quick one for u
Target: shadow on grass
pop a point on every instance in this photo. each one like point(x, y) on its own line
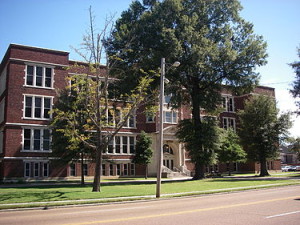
point(35, 196)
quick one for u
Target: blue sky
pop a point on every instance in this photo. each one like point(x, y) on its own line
point(59, 24)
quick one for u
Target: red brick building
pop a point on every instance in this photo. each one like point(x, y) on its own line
point(28, 79)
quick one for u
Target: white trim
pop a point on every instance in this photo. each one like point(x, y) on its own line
point(42, 108)
point(28, 158)
point(38, 62)
point(25, 124)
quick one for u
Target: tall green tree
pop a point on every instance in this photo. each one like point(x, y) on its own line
point(230, 149)
point(214, 45)
point(295, 146)
point(143, 151)
point(262, 130)
point(209, 140)
point(296, 84)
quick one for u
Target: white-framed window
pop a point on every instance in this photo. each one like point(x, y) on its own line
point(228, 103)
point(115, 116)
point(36, 169)
point(122, 145)
point(45, 169)
point(3, 81)
point(229, 122)
point(37, 140)
point(125, 169)
point(111, 169)
point(2, 107)
point(132, 169)
point(103, 170)
point(150, 117)
point(118, 169)
point(1, 141)
point(27, 169)
point(170, 116)
point(39, 76)
point(37, 107)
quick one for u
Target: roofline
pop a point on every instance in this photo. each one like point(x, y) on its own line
point(38, 48)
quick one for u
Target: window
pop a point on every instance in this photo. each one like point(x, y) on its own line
point(115, 116)
point(125, 171)
point(132, 169)
point(37, 107)
point(1, 141)
point(36, 169)
point(36, 139)
point(121, 145)
point(170, 116)
point(39, 76)
point(85, 169)
point(2, 107)
point(27, 171)
point(229, 123)
point(150, 117)
point(103, 170)
point(72, 170)
point(111, 169)
point(228, 104)
point(46, 169)
point(118, 169)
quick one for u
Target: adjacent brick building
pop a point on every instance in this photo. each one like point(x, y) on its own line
point(29, 77)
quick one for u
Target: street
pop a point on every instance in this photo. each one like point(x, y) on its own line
point(265, 206)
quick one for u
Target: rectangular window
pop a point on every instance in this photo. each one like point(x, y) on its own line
point(2, 112)
point(36, 139)
point(229, 123)
point(85, 169)
point(125, 144)
point(103, 170)
point(27, 169)
point(132, 144)
point(37, 107)
point(118, 169)
point(72, 170)
point(36, 169)
point(111, 169)
point(45, 169)
point(39, 76)
point(150, 118)
point(118, 144)
point(125, 169)
point(228, 104)
point(170, 116)
point(132, 169)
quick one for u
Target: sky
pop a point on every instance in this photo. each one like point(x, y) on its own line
point(60, 24)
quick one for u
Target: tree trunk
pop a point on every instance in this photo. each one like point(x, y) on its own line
point(199, 166)
point(229, 169)
point(199, 171)
point(146, 172)
point(82, 174)
point(263, 168)
point(97, 176)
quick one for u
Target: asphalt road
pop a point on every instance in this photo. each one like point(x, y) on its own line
point(268, 206)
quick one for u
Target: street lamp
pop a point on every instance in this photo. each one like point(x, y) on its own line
point(161, 106)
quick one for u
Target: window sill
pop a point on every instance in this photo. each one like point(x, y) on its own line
point(38, 87)
point(36, 151)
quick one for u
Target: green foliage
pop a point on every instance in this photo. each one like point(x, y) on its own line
point(143, 151)
point(214, 45)
point(261, 129)
point(200, 144)
point(296, 84)
point(295, 143)
point(230, 148)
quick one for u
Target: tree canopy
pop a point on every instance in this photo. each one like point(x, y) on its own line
point(262, 129)
point(143, 151)
point(296, 84)
point(230, 149)
point(214, 45)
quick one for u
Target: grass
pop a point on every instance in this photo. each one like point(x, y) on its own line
point(64, 192)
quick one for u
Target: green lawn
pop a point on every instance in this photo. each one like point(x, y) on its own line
point(76, 192)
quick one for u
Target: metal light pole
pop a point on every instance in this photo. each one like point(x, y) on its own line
point(161, 123)
point(161, 106)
